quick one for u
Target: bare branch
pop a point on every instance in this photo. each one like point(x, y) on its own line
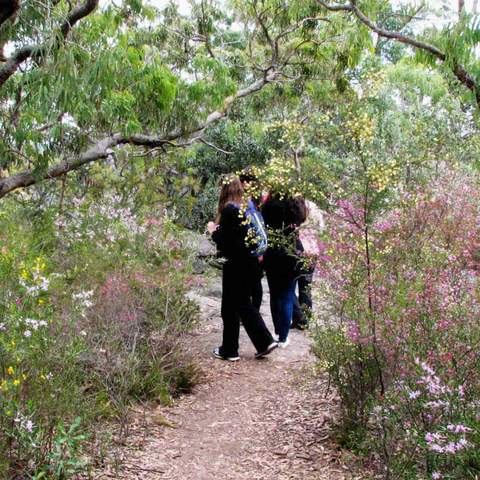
point(212, 145)
point(406, 20)
point(38, 51)
point(335, 7)
point(182, 145)
point(397, 35)
point(273, 46)
point(208, 45)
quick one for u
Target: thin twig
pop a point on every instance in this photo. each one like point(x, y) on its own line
point(211, 145)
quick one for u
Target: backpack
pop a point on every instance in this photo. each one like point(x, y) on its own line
point(257, 233)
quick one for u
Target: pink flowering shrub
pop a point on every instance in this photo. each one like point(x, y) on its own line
point(134, 332)
point(404, 284)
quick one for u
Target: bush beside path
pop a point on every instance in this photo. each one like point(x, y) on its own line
point(268, 419)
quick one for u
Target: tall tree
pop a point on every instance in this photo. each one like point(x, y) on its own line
point(134, 75)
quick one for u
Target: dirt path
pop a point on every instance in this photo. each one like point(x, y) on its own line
point(252, 419)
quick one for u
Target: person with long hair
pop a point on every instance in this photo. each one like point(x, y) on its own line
point(283, 266)
point(241, 271)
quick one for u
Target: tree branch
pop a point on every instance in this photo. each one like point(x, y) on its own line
point(266, 33)
point(458, 70)
point(212, 145)
point(38, 51)
point(335, 7)
point(103, 148)
point(298, 25)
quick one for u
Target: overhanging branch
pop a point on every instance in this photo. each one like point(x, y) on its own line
point(103, 148)
point(38, 51)
point(458, 70)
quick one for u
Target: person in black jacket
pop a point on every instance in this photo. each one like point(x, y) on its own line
point(241, 271)
point(281, 261)
point(248, 178)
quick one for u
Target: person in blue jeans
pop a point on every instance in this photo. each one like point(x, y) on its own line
point(241, 272)
point(282, 264)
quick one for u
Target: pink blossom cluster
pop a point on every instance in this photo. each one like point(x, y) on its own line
point(405, 284)
point(419, 278)
point(439, 443)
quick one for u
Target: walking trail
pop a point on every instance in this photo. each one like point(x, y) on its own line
point(254, 419)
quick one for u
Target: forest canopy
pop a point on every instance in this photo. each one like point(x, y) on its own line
point(82, 80)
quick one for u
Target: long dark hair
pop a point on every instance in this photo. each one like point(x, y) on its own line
point(231, 192)
point(284, 213)
point(301, 211)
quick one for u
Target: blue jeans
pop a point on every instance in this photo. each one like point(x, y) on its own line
point(282, 299)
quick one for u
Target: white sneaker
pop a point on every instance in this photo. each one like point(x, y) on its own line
point(284, 344)
point(217, 354)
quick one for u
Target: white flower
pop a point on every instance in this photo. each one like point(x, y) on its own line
point(23, 422)
point(83, 295)
point(27, 333)
point(413, 395)
point(33, 323)
point(45, 283)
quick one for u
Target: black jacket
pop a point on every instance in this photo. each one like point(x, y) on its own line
point(230, 236)
point(282, 217)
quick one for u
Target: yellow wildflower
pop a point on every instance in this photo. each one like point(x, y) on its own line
point(10, 371)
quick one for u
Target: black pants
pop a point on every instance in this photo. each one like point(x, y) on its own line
point(257, 293)
point(238, 284)
point(303, 303)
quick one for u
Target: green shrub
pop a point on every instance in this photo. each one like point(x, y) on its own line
point(92, 314)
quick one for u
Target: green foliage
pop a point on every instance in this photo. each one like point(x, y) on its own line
point(91, 316)
point(244, 146)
